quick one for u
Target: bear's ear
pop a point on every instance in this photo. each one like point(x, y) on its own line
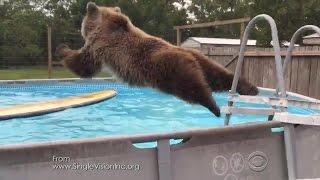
point(117, 9)
point(92, 8)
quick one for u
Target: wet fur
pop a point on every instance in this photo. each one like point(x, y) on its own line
point(143, 60)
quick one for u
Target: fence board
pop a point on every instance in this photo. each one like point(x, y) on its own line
point(259, 70)
point(294, 74)
point(317, 81)
point(245, 69)
point(303, 76)
point(313, 78)
point(287, 75)
point(273, 76)
point(269, 77)
point(265, 72)
point(249, 69)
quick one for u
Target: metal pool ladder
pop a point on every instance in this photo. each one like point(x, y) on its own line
point(280, 102)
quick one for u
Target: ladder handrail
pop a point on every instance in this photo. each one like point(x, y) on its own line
point(276, 46)
point(294, 39)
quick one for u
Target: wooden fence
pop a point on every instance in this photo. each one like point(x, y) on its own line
point(302, 75)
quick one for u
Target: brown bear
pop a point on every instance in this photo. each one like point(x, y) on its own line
point(139, 59)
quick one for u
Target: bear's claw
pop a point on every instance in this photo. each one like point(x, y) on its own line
point(214, 109)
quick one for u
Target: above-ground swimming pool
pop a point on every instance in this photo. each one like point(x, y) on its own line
point(138, 115)
point(132, 111)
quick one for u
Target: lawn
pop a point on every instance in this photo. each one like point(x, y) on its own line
point(38, 73)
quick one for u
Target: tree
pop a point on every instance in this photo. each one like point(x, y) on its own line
point(212, 10)
point(288, 14)
point(21, 30)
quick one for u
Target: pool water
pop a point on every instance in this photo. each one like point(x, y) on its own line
point(132, 111)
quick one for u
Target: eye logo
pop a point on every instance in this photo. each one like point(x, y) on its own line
point(258, 161)
point(237, 162)
point(220, 165)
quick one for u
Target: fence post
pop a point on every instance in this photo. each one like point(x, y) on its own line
point(49, 53)
point(178, 37)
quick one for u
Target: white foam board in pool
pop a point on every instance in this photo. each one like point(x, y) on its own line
point(40, 108)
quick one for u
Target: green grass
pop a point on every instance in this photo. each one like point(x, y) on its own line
point(38, 73)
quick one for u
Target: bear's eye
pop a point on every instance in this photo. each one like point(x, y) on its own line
point(117, 9)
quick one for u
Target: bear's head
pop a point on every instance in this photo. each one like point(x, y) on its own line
point(107, 18)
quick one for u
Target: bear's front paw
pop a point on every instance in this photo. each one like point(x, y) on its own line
point(60, 50)
point(253, 91)
point(248, 89)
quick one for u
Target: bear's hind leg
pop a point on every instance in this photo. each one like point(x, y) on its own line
point(220, 79)
point(194, 90)
point(184, 78)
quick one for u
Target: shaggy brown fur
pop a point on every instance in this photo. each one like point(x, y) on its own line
point(143, 60)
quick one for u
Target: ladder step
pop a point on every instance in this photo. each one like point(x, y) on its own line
point(305, 104)
point(297, 119)
point(258, 100)
point(235, 110)
point(274, 101)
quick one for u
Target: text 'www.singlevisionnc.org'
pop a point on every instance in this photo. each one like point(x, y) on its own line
point(65, 163)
